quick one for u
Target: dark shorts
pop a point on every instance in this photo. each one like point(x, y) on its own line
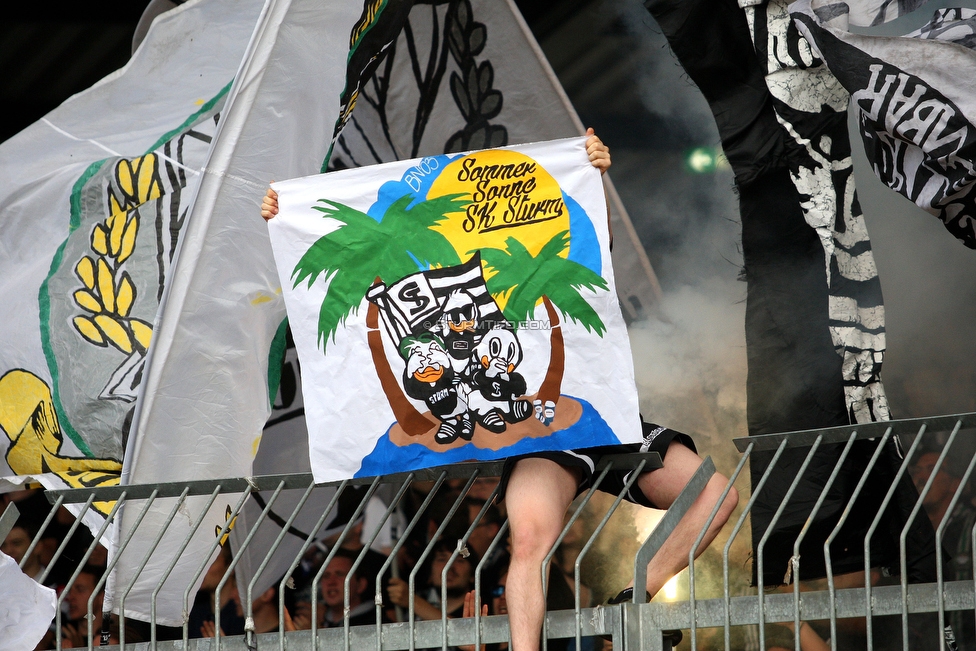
point(656, 439)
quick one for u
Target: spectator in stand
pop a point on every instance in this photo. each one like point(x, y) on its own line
point(354, 542)
point(231, 611)
point(957, 547)
point(34, 507)
point(331, 605)
point(74, 632)
point(264, 614)
point(16, 544)
point(427, 599)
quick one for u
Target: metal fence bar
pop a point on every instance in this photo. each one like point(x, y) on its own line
point(224, 530)
point(7, 522)
point(633, 625)
point(176, 488)
point(332, 552)
point(583, 551)
point(760, 573)
point(836, 530)
point(271, 550)
point(248, 612)
point(411, 584)
point(40, 531)
point(617, 627)
point(738, 526)
point(972, 543)
point(686, 498)
point(555, 545)
point(301, 552)
point(296, 480)
point(172, 565)
point(111, 566)
point(698, 542)
point(651, 638)
point(74, 576)
point(359, 559)
point(81, 565)
point(64, 543)
point(502, 532)
point(142, 566)
point(794, 568)
point(586, 549)
point(461, 549)
point(660, 615)
point(938, 543)
point(839, 434)
point(903, 537)
point(744, 611)
point(391, 560)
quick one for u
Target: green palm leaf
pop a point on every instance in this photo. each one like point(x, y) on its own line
point(417, 224)
point(329, 251)
point(351, 257)
point(507, 265)
point(529, 278)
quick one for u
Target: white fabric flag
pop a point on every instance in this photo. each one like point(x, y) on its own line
point(26, 608)
point(454, 307)
point(91, 208)
point(77, 358)
point(207, 380)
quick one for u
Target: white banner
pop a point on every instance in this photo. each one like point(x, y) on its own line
point(454, 307)
point(26, 608)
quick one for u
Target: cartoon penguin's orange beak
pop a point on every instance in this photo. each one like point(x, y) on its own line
point(429, 374)
point(461, 327)
point(484, 361)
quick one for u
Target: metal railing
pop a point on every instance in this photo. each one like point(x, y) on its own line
point(630, 626)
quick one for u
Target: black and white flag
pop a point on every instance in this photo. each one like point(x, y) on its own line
point(814, 311)
point(811, 106)
point(915, 104)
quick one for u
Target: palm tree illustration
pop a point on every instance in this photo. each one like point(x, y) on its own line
point(556, 281)
point(354, 255)
point(363, 251)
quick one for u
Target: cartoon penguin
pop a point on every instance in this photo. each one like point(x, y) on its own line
point(428, 376)
point(497, 392)
point(459, 328)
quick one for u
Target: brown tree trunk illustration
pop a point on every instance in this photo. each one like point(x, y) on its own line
point(552, 383)
point(411, 421)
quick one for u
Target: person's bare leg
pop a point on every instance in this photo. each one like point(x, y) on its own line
point(539, 492)
point(662, 487)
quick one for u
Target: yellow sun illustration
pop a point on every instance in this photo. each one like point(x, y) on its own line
point(511, 196)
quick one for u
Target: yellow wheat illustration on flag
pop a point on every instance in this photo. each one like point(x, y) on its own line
point(108, 292)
